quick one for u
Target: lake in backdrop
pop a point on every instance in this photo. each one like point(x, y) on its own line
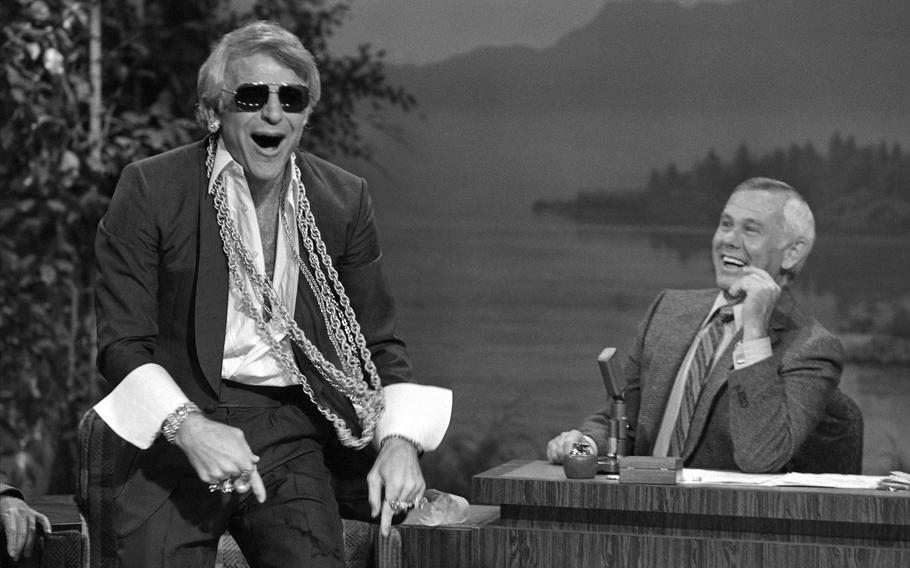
point(510, 310)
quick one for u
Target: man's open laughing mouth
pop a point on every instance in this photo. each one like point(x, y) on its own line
point(267, 141)
point(732, 262)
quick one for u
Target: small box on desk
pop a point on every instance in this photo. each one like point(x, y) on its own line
point(647, 469)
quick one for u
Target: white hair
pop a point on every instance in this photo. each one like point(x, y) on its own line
point(799, 223)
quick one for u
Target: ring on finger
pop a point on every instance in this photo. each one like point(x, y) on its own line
point(241, 485)
point(223, 486)
point(399, 506)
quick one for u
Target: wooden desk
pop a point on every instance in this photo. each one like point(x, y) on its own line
point(450, 546)
point(549, 521)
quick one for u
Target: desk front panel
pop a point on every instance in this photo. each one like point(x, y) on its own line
point(548, 520)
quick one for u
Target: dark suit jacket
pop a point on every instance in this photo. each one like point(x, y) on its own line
point(163, 290)
point(754, 419)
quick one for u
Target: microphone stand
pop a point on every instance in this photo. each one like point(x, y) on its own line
point(618, 435)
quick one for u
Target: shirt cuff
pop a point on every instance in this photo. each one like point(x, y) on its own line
point(750, 352)
point(137, 407)
point(420, 413)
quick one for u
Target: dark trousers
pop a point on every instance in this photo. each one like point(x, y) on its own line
point(297, 525)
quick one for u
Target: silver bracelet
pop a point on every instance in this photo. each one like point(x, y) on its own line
point(406, 439)
point(175, 419)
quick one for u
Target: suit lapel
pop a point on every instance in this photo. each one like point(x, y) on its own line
point(211, 295)
point(677, 336)
point(675, 326)
point(716, 379)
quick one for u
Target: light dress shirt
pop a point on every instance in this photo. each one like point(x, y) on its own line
point(745, 353)
point(138, 406)
point(247, 357)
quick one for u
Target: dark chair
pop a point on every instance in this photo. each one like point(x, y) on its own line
point(836, 446)
point(95, 497)
point(59, 549)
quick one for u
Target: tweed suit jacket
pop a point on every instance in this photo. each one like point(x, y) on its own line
point(754, 419)
point(162, 295)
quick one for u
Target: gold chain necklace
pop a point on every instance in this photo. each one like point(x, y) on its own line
point(271, 315)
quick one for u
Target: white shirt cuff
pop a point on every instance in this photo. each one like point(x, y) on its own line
point(747, 353)
point(420, 413)
point(136, 408)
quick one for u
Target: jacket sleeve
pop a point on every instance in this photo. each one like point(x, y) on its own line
point(126, 249)
point(775, 404)
point(10, 491)
point(369, 290)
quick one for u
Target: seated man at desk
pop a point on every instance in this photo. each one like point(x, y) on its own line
point(734, 377)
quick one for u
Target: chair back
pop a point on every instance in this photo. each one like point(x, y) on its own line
point(836, 445)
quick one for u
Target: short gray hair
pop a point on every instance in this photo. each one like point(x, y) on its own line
point(257, 37)
point(799, 223)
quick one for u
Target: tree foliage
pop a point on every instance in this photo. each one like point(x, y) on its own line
point(57, 178)
point(856, 188)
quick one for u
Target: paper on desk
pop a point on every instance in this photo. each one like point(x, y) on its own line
point(836, 480)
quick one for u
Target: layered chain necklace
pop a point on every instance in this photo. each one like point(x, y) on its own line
point(272, 317)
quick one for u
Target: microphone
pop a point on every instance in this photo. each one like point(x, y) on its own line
point(613, 380)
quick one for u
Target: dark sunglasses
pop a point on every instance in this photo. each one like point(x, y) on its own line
point(250, 97)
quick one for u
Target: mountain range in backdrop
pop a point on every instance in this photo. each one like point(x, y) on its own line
point(642, 85)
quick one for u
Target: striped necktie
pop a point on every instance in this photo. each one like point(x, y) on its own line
point(698, 372)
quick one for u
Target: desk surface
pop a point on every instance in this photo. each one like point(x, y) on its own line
point(540, 484)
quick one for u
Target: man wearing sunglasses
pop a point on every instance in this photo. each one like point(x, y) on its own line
point(248, 328)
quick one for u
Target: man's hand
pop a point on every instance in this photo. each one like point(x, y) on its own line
point(395, 475)
point(560, 446)
point(20, 524)
point(218, 452)
point(760, 293)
